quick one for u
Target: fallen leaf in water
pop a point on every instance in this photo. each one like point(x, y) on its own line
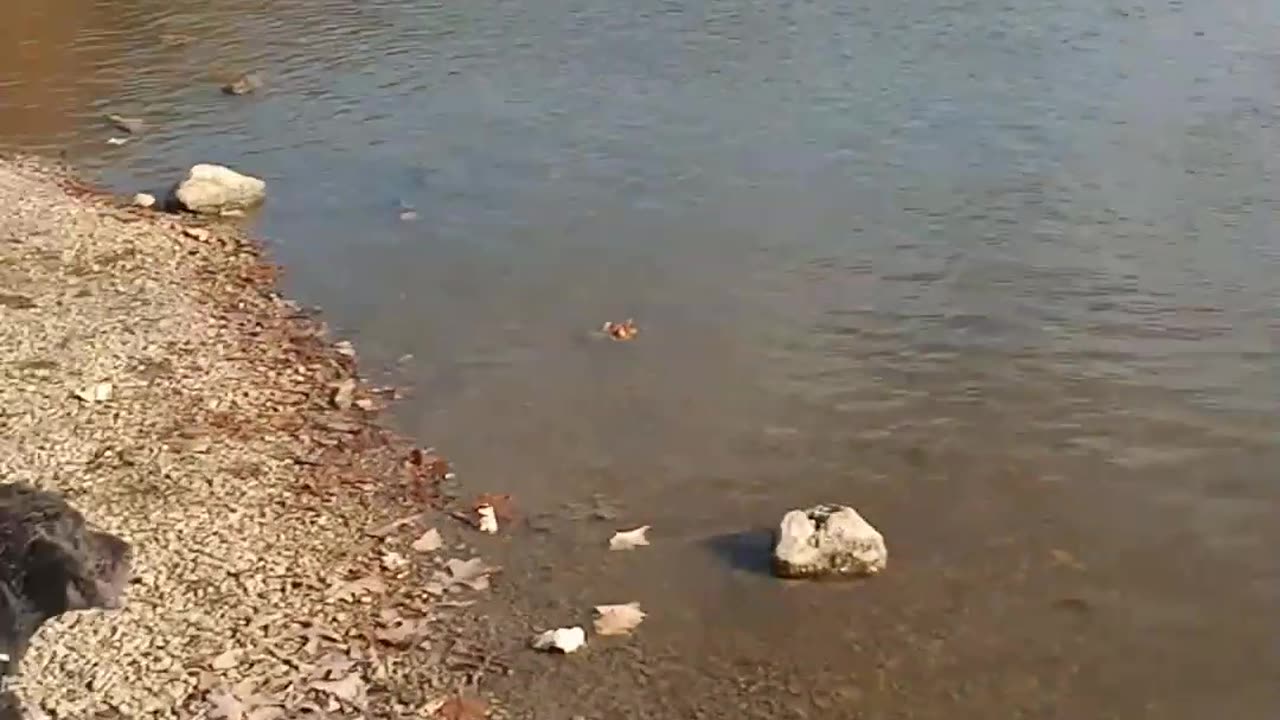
point(564, 640)
point(429, 541)
point(429, 463)
point(463, 707)
point(361, 586)
point(225, 706)
point(618, 619)
point(1062, 557)
point(226, 660)
point(243, 85)
point(365, 404)
point(344, 347)
point(117, 141)
point(621, 331)
point(126, 124)
point(350, 688)
point(628, 539)
point(98, 392)
point(343, 393)
point(503, 505)
point(473, 573)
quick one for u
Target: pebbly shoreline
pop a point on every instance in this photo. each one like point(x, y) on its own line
point(153, 375)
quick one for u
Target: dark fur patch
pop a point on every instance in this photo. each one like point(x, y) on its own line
point(51, 562)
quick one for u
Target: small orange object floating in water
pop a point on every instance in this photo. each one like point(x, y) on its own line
point(621, 331)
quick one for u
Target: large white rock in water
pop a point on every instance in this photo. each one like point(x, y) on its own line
point(827, 541)
point(214, 189)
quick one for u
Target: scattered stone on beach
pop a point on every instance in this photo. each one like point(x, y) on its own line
point(629, 539)
point(197, 233)
point(144, 200)
point(214, 189)
point(618, 619)
point(130, 125)
point(245, 84)
point(827, 541)
point(562, 640)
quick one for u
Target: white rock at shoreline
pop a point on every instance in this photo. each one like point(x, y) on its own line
point(144, 200)
point(214, 189)
point(827, 541)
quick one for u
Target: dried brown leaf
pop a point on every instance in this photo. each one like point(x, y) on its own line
point(344, 393)
point(360, 586)
point(629, 539)
point(225, 706)
point(626, 330)
point(618, 619)
point(402, 633)
point(429, 541)
point(503, 506)
point(463, 707)
point(473, 573)
point(350, 689)
point(226, 660)
point(385, 530)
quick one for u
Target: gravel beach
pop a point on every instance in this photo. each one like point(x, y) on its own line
point(151, 373)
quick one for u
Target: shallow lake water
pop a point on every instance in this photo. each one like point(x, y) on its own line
point(1004, 274)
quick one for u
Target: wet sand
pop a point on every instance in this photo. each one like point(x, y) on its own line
point(253, 498)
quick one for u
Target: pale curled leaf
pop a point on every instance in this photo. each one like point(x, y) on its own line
point(628, 539)
point(473, 573)
point(429, 541)
point(225, 706)
point(618, 619)
point(226, 660)
point(343, 393)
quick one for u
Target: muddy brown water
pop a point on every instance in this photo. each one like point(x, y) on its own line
point(1004, 275)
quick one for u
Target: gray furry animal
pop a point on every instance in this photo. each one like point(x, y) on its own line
point(51, 563)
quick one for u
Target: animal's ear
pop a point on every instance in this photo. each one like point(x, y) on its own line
point(53, 578)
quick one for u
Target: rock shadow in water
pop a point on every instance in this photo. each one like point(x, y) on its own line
point(748, 550)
